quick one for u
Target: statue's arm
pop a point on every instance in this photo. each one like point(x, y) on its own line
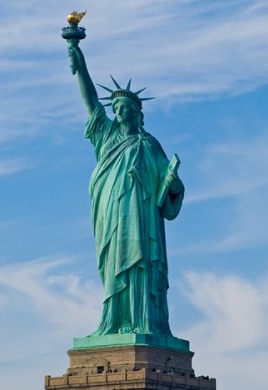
point(173, 200)
point(79, 67)
point(173, 182)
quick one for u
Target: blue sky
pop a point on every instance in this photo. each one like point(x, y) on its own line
point(206, 64)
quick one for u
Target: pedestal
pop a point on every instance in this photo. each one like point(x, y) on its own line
point(130, 361)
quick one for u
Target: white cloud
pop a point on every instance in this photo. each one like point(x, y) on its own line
point(226, 303)
point(11, 166)
point(52, 293)
point(186, 50)
point(6, 224)
point(49, 304)
point(233, 332)
point(234, 168)
point(196, 48)
point(230, 187)
point(44, 304)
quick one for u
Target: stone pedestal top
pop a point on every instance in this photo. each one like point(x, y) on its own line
point(127, 367)
point(113, 340)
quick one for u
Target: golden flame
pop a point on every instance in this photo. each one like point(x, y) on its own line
point(75, 17)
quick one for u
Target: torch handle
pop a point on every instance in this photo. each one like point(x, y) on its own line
point(72, 43)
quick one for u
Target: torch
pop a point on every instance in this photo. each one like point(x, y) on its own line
point(73, 34)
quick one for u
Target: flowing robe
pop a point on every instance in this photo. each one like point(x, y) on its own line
point(129, 227)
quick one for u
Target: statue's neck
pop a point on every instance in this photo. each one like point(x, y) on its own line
point(128, 129)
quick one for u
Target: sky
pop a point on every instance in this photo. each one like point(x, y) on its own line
point(206, 63)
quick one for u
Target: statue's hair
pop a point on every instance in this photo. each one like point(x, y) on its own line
point(137, 111)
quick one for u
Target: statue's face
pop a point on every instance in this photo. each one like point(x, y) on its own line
point(124, 111)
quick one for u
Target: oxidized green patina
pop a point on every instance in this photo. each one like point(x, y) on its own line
point(128, 220)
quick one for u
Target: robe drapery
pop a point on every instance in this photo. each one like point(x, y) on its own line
point(129, 227)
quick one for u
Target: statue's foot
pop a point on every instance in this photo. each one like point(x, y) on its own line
point(126, 329)
point(141, 331)
point(101, 332)
point(93, 334)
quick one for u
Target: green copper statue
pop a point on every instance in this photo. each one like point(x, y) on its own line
point(133, 188)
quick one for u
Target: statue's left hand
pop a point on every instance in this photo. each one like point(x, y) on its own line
point(172, 181)
point(72, 51)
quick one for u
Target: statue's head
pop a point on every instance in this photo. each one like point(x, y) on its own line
point(124, 100)
point(128, 112)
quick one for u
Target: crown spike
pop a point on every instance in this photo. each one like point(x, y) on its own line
point(115, 82)
point(121, 92)
point(107, 89)
point(143, 99)
point(128, 85)
point(140, 91)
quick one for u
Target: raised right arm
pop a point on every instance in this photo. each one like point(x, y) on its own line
point(78, 65)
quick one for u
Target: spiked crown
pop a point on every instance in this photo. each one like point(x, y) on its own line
point(124, 92)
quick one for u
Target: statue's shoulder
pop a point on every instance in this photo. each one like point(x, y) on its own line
point(154, 145)
point(98, 122)
point(150, 138)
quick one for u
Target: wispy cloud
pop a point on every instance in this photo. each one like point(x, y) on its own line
point(225, 301)
point(5, 224)
point(233, 328)
point(52, 293)
point(44, 304)
point(188, 50)
point(197, 50)
point(233, 176)
point(11, 166)
point(196, 47)
point(232, 169)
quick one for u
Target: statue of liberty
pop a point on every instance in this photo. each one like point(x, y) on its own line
point(127, 212)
